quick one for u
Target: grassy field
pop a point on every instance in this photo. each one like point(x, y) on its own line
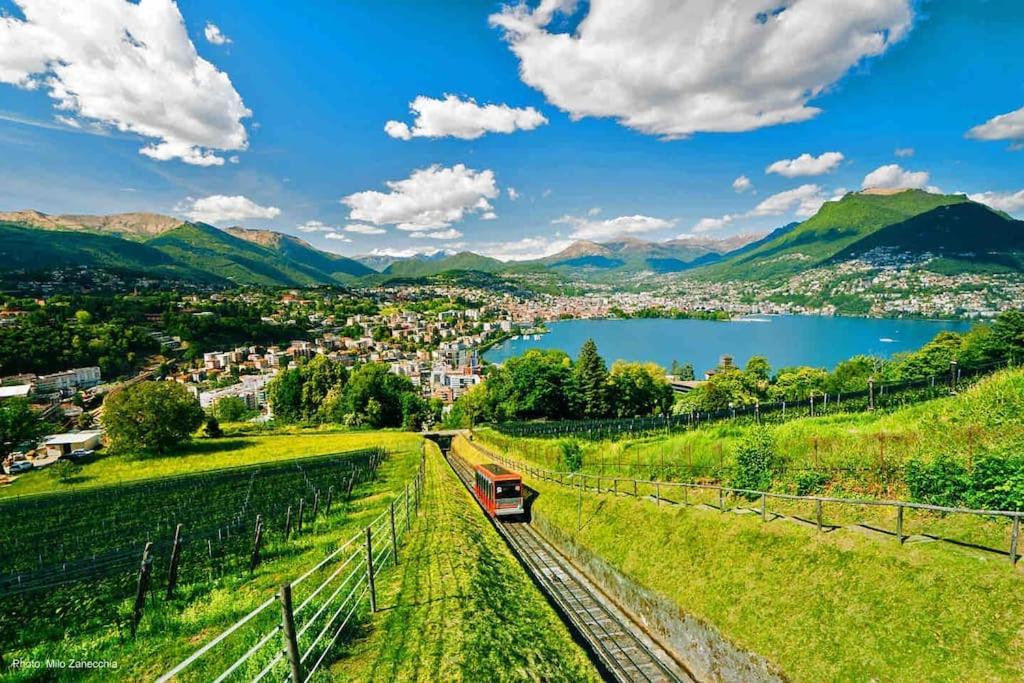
point(234, 450)
point(459, 607)
point(860, 452)
point(172, 629)
point(835, 606)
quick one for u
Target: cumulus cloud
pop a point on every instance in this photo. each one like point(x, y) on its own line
point(449, 234)
point(408, 253)
point(337, 236)
point(676, 68)
point(742, 184)
point(904, 152)
point(362, 229)
point(893, 176)
point(430, 198)
point(803, 201)
point(218, 208)
point(590, 229)
point(463, 119)
point(806, 164)
point(1010, 202)
point(214, 35)
point(1008, 126)
point(315, 226)
point(513, 193)
point(129, 65)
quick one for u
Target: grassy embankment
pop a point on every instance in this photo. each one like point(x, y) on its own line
point(235, 449)
point(171, 630)
point(835, 606)
point(459, 607)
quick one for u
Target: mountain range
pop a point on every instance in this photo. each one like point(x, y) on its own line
point(950, 232)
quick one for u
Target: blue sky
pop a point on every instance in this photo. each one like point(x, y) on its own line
point(616, 127)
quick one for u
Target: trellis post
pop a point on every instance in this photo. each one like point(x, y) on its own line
point(172, 571)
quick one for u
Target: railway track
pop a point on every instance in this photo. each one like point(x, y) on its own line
point(624, 650)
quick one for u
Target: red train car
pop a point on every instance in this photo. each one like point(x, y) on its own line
point(499, 490)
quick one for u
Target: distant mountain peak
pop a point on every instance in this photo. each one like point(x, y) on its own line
point(135, 225)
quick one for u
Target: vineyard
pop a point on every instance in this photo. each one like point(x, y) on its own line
point(71, 562)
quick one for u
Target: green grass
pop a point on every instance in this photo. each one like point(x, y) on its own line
point(171, 630)
point(233, 450)
point(835, 606)
point(459, 607)
point(859, 450)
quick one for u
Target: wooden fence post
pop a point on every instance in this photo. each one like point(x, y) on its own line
point(288, 523)
point(316, 506)
point(172, 571)
point(254, 561)
point(764, 507)
point(657, 493)
point(298, 524)
point(369, 569)
point(818, 506)
point(634, 488)
point(291, 642)
point(899, 523)
point(407, 521)
point(721, 499)
point(394, 536)
point(145, 572)
point(1014, 535)
point(330, 497)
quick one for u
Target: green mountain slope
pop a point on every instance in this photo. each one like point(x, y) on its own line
point(969, 233)
point(304, 254)
point(464, 260)
point(836, 226)
point(207, 248)
point(30, 249)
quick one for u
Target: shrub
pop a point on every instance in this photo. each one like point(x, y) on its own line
point(213, 429)
point(943, 481)
point(756, 461)
point(64, 470)
point(809, 482)
point(997, 483)
point(155, 417)
point(570, 455)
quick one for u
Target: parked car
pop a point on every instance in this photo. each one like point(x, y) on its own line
point(17, 464)
point(78, 454)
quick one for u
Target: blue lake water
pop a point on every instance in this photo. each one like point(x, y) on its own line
point(786, 340)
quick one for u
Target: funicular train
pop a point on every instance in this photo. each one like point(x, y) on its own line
point(499, 490)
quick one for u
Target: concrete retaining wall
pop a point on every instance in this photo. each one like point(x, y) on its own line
point(706, 653)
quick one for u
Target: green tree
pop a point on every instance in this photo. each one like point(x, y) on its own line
point(756, 461)
point(232, 409)
point(374, 393)
point(154, 417)
point(19, 422)
point(590, 381)
point(319, 377)
point(639, 389)
point(284, 393)
point(212, 428)
point(537, 384)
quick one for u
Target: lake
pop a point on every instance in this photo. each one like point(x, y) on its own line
point(819, 341)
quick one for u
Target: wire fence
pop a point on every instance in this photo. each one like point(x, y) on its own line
point(290, 635)
point(877, 395)
point(720, 497)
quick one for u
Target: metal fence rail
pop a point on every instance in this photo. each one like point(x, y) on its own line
point(297, 643)
point(633, 487)
point(876, 395)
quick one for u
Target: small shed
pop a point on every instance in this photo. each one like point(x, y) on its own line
point(59, 444)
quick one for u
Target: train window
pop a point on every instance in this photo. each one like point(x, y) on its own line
point(510, 490)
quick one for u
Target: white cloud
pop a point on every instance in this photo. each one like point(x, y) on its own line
point(433, 197)
point(805, 165)
point(408, 253)
point(1009, 126)
point(513, 193)
point(214, 35)
point(337, 236)
point(594, 210)
point(463, 119)
point(675, 68)
point(361, 229)
point(893, 176)
point(589, 229)
point(742, 184)
point(315, 226)
point(1010, 202)
point(449, 234)
point(129, 65)
point(218, 208)
point(525, 249)
point(904, 152)
point(803, 201)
